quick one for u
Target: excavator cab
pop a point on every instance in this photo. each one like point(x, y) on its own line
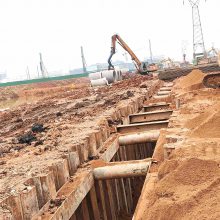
point(144, 66)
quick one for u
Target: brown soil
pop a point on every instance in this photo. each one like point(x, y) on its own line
point(182, 192)
point(69, 116)
point(14, 96)
point(187, 185)
point(191, 81)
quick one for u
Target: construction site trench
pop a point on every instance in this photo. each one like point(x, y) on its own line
point(115, 183)
point(107, 154)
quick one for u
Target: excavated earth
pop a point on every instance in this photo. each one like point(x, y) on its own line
point(185, 184)
point(35, 134)
point(39, 125)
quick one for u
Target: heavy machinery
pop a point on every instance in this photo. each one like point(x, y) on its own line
point(212, 80)
point(142, 67)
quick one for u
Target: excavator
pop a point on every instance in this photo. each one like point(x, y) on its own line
point(213, 80)
point(142, 67)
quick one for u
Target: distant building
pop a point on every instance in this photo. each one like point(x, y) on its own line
point(102, 66)
point(76, 71)
point(3, 76)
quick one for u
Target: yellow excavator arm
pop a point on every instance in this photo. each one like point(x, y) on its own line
point(117, 38)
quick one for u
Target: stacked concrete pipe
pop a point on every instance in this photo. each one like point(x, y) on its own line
point(110, 75)
point(124, 70)
point(99, 82)
point(118, 75)
point(94, 76)
point(100, 78)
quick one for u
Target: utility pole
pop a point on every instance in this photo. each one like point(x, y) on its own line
point(198, 40)
point(38, 74)
point(44, 72)
point(151, 56)
point(184, 46)
point(28, 73)
point(83, 60)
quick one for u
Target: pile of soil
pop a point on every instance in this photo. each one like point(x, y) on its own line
point(206, 124)
point(187, 192)
point(191, 81)
point(210, 128)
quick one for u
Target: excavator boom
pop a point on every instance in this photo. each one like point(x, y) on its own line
point(117, 38)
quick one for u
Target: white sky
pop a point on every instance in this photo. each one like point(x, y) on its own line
point(57, 29)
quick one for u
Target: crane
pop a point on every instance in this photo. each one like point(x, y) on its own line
point(142, 67)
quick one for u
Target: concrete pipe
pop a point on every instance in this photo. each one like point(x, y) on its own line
point(94, 76)
point(110, 75)
point(118, 75)
point(124, 70)
point(122, 170)
point(138, 138)
point(99, 82)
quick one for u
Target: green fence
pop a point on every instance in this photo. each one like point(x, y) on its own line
point(40, 80)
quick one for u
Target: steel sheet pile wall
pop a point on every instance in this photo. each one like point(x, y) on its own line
point(116, 198)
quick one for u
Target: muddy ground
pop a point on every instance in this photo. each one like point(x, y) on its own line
point(35, 134)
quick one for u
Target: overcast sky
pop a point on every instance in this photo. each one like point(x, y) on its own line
point(57, 29)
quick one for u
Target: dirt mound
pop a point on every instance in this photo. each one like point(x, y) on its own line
point(206, 124)
point(210, 128)
point(187, 193)
point(167, 167)
point(191, 81)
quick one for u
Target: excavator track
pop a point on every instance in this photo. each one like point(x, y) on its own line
point(212, 80)
point(173, 74)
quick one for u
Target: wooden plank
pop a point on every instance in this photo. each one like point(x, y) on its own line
point(73, 194)
point(111, 198)
point(73, 217)
point(107, 202)
point(110, 148)
point(85, 215)
point(101, 199)
point(94, 203)
point(128, 185)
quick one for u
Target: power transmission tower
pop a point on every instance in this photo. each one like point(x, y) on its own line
point(83, 60)
point(43, 69)
point(198, 40)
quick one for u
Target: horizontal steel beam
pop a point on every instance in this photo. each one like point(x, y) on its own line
point(124, 169)
point(161, 93)
point(138, 138)
point(161, 97)
point(150, 116)
point(155, 107)
point(165, 89)
point(141, 127)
